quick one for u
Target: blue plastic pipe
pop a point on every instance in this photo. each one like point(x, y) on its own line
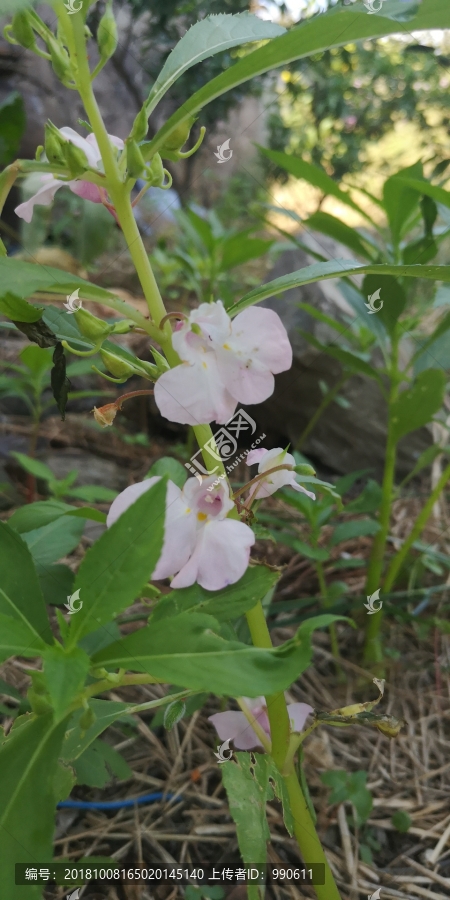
point(113, 804)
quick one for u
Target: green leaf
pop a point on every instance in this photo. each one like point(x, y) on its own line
point(51, 542)
point(17, 638)
point(119, 564)
point(332, 269)
point(28, 762)
point(441, 329)
point(20, 594)
point(207, 37)
point(346, 531)
point(99, 762)
point(368, 501)
point(59, 381)
point(401, 821)
point(185, 650)
point(64, 674)
point(399, 201)
point(426, 189)
point(77, 739)
point(63, 781)
point(348, 360)
point(173, 713)
point(313, 175)
point(92, 493)
point(392, 295)
point(350, 787)
point(417, 405)
point(33, 466)
point(230, 603)
point(17, 309)
point(245, 779)
point(37, 359)
point(87, 512)
point(35, 515)
point(56, 583)
point(339, 231)
point(239, 249)
point(169, 466)
point(8, 690)
point(425, 459)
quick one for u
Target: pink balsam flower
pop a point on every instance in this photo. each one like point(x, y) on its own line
point(200, 543)
point(269, 459)
point(45, 195)
point(234, 726)
point(224, 362)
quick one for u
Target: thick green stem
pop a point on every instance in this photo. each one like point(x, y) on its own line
point(419, 525)
point(320, 410)
point(373, 651)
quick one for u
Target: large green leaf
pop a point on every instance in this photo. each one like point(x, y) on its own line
point(119, 564)
point(18, 639)
point(399, 200)
point(346, 531)
point(35, 515)
point(417, 405)
point(64, 673)
point(339, 231)
point(429, 190)
point(55, 540)
point(207, 37)
point(392, 295)
point(18, 309)
point(28, 762)
point(348, 360)
point(230, 603)
point(313, 175)
point(12, 126)
point(20, 594)
point(337, 27)
point(185, 650)
point(332, 269)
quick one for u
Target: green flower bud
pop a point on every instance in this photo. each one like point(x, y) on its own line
point(87, 719)
point(124, 326)
point(304, 469)
point(90, 326)
point(178, 137)
point(118, 366)
point(54, 145)
point(160, 360)
point(22, 31)
point(155, 172)
point(135, 160)
point(140, 126)
point(60, 61)
point(76, 159)
point(107, 37)
point(39, 152)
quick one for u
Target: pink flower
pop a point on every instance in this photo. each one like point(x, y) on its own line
point(269, 459)
point(224, 361)
point(200, 543)
point(234, 726)
point(45, 195)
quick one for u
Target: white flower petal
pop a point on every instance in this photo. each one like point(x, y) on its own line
point(220, 557)
point(194, 394)
point(43, 197)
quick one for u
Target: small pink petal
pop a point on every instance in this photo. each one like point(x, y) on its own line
point(87, 190)
point(298, 714)
point(43, 197)
point(255, 456)
point(194, 394)
point(233, 726)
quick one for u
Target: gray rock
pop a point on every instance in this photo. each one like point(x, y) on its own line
point(343, 440)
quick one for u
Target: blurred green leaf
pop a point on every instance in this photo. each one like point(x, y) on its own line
point(417, 405)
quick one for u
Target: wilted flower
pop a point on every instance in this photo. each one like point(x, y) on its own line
point(85, 189)
point(105, 415)
point(269, 459)
point(224, 361)
point(234, 726)
point(200, 543)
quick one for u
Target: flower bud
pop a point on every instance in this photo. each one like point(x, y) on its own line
point(124, 326)
point(21, 31)
point(178, 137)
point(118, 366)
point(105, 416)
point(140, 126)
point(60, 61)
point(54, 145)
point(304, 469)
point(155, 172)
point(107, 37)
point(87, 719)
point(76, 159)
point(135, 160)
point(160, 360)
point(90, 326)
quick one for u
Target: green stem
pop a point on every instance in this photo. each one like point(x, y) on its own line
point(328, 398)
point(324, 592)
point(415, 532)
point(373, 650)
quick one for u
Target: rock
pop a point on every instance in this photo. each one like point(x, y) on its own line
point(343, 440)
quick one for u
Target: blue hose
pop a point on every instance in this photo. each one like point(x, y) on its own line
point(113, 804)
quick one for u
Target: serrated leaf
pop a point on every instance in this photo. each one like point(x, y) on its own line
point(18, 639)
point(119, 564)
point(206, 38)
point(51, 542)
point(17, 309)
point(230, 603)
point(64, 675)
point(35, 515)
point(417, 405)
point(20, 594)
point(174, 713)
